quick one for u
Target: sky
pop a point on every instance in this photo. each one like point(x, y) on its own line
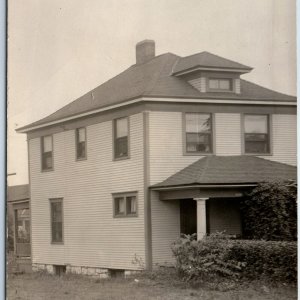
point(60, 49)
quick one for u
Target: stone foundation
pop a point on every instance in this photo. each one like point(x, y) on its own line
point(80, 270)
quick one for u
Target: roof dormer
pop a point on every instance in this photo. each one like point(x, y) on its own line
point(210, 73)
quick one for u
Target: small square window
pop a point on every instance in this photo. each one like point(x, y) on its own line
point(125, 205)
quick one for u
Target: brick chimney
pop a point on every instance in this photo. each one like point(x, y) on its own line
point(145, 51)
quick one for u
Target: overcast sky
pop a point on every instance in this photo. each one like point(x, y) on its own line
point(61, 49)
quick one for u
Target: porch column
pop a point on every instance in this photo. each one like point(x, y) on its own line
point(201, 217)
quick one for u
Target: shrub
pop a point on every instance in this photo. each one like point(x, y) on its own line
point(270, 212)
point(217, 255)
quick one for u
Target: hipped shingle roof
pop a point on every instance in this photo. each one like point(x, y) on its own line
point(155, 79)
point(230, 170)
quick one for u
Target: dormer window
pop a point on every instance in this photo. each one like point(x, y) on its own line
point(220, 84)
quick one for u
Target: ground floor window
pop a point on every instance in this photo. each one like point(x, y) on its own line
point(125, 204)
point(56, 206)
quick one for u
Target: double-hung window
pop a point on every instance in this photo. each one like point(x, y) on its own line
point(198, 133)
point(125, 205)
point(121, 144)
point(256, 134)
point(47, 152)
point(80, 143)
point(56, 207)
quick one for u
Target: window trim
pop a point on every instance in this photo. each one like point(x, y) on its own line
point(270, 134)
point(57, 200)
point(231, 81)
point(125, 195)
point(42, 152)
point(213, 133)
point(76, 144)
point(114, 134)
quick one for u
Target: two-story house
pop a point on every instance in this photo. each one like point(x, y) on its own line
point(166, 147)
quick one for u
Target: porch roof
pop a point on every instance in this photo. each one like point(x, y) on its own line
point(220, 170)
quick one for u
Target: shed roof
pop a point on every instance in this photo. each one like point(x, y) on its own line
point(230, 170)
point(18, 192)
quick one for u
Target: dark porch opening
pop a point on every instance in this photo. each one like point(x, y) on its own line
point(222, 214)
point(188, 216)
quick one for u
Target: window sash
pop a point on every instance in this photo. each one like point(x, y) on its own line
point(256, 135)
point(56, 221)
point(80, 143)
point(47, 152)
point(121, 145)
point(220, 84)
point(125, 205)
point(198, 133)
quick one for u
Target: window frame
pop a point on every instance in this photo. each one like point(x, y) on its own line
point(184, 136)
point(114, 134)
point(57, 200)
point(125, 195)
point(231, 83)
point(270, 135)
point(77, 142)
point(42, 153)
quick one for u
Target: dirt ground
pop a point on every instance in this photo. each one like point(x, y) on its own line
point(43, 286)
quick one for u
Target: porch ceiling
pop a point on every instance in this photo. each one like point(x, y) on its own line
point(235, 170)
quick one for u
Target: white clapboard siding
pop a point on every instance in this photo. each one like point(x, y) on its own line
point(165, 228)
point(237, 85)
point(284, 139)
point(228, 134)
point(166, 158)
point(92, 237)
point(165, 142)
point(199, 84)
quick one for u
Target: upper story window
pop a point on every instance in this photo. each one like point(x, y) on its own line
point(56, 206)
point(80, 143)
point(220, 84)
point(198, 133)
point(256, 134)
point(125, 205)
point(47, 152)
point(121, 144)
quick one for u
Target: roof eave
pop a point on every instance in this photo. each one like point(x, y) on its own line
point(199, 185)
point(208, 68)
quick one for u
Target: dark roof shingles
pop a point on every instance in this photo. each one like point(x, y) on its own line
point(206, 59)
point(230, 170)
point(153, 79)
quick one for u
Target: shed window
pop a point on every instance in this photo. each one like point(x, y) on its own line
point(80, 143)
point(56, 220)
point(125, 205)
point(47, 152)
point(256, 134)
point(121, 138)
point(198, 133)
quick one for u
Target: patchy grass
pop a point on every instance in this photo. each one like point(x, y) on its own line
point(152, 286)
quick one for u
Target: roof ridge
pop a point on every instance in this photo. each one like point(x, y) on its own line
point(205, 167)
point(148, 90)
